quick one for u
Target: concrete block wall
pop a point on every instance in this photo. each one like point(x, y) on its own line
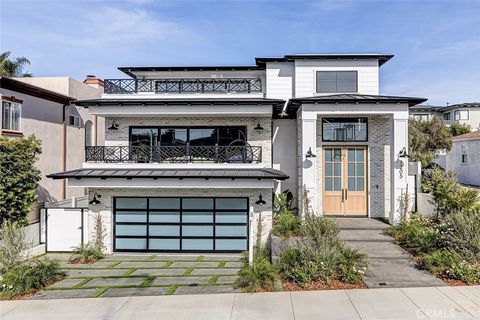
point(105, 208)
point(261, 138)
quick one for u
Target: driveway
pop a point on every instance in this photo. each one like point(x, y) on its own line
point(122, 275)
point(390, 266)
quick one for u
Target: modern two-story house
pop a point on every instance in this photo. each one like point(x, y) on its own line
point(192, 152)
point(461, 113)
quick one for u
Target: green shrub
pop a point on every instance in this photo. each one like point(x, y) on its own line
point(13, 244)
point(439, 262)
point(86, 254)
point(295, 266)
point(283, 202)
point(353, 265)
point(457, 129)
point(286, 224)
point(466, 272)
point(459, 233)
point(29, 276)
point(260, 275)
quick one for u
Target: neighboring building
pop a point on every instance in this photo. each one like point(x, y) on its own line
point(464, 158)
point(462, 113)
point(191, 152)
point(43, 106)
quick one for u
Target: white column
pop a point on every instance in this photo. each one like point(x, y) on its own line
point(308, 165)
point(399, 165)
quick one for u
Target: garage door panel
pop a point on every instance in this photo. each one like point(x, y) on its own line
point(131, 230)
point(198, 231)
point(200, 217)
point(230, 231)
point(164, 217)
point(130, 244)
point(230, 244)
point(164, 244)
point(231, 217)
point(197, 244)
point(170, 231)
point(131, 216)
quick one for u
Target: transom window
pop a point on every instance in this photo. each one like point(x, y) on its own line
point(181, 136)
point(461, 115)
point(344, 129)
point(337, 81)
point(11, 115)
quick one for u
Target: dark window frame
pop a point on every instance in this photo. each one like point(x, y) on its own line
point(336, 81)
point(336, 119)
point(447, 115)
point(159, 128)
point(180, 237)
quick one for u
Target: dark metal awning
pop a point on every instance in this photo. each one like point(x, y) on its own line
point(247, 173)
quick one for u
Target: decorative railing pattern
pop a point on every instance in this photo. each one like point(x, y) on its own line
point(174, 154)
point(209, 85)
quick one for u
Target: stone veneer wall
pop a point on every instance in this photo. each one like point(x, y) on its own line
point(105, 208)
point(378, 167)
point(261, 138)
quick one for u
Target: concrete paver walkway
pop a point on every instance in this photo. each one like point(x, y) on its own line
point(390, 266)
point(385, 303)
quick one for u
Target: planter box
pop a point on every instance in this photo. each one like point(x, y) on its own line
point(278, 244)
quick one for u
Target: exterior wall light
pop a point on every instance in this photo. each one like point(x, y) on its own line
point(258, 127)
point(94, 200)
point(403, 153)
point(260, 201)
point(114, 126)
point(310, 153)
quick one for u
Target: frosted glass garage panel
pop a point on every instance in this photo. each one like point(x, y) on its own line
point(197, 203)
point(164, 203)
point(197, 217)
point(197, 244)
point(231, 217)
point(231, 231)
point(131, 230)
point(197, 231)
point(164, 231)
point(231, 244)
point(164, 217)
point(130, 244)
point(131, 216)
point(164, 244)
point(131, 203)
point(231, 204)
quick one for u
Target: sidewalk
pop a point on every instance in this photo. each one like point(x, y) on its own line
point(387, 303)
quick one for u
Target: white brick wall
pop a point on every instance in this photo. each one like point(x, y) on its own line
point(262, 138)
point(105, 208)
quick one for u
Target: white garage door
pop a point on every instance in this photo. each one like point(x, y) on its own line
point(64, 228)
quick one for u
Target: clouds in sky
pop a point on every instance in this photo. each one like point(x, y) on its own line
point(436, 43)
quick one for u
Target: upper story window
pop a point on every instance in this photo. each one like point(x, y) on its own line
point(337, 81)
point(447, 116)
point(345, 129)
point(89, 138)
point(461, 115)
point(181, 136)
point(421, 116)
point(11, 115)
point(74, 120)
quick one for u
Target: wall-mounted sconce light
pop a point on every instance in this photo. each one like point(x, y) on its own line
point(403, 153)
point(114, 126)
point(94, 200)
point(310, 153)
point(258, 127)
point(260, 201)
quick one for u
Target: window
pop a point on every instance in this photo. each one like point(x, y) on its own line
point(88, 133)
point(421, 116)
point(74, 120)
point(461, 115)
point(144, 137)
point(447, 116)
point(336, 81)
point(344, 129)
point(11, 115)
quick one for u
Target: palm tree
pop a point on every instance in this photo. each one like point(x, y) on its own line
point(13, 68)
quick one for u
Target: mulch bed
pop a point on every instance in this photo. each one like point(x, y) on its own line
point(456, 283)
point(333, 284)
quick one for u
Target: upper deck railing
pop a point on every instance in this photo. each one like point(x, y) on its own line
point(201, 85)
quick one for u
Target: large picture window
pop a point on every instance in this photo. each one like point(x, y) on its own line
point(181, 136)
point(336, 81)
point(11, 115)
point(461, 115)
point(345, 129)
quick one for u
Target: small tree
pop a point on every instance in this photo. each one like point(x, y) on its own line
point(19, 177)
point(99, 230)
point(13, 245)
point(457, 129)
point(427, 138)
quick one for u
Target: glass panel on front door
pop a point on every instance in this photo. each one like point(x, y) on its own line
point(333, 169)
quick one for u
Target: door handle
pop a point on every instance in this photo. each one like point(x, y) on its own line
point(346, 194)
point(343, 196)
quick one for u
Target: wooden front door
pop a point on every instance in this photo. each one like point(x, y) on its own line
point(345, 181)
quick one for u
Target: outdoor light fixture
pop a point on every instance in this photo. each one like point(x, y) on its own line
point(310, 153)
point(403, 153)
point(94, 200)
point(260, 200)
point(114, 126)
point(258, 127)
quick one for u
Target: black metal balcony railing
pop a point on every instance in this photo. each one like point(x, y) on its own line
point(174, 154)
point(220, 85)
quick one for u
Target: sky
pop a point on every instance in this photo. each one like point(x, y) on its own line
point(436, 43)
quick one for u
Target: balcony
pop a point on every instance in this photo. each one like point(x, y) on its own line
point(174, 154)
point(185, 86)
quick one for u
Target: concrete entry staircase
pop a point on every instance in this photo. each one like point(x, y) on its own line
point(389, 265)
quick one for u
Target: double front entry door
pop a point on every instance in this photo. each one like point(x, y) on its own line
point(345, 181)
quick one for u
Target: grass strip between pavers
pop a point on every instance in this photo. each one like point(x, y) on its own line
point(188, 271)
point(129, 272)
point(114, 264)
point(168, 264)
point(151, 258)
point(126, 268)
point(213, 280)
point(172, 290)
point(200, 258)
point(221, 264)
point(78, 285)
point(100, 292)
point(147, 281)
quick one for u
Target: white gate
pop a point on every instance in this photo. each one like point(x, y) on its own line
point(64, 228)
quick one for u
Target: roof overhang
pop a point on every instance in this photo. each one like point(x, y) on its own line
point(132, 70)
point(34, 91)
point(178, 101)
point(382, 58)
